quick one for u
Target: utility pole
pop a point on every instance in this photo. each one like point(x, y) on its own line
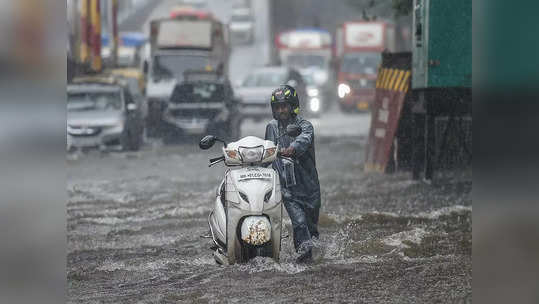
point(84, 54)
point(96, 35)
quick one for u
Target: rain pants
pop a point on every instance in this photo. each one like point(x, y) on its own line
point(299, 180)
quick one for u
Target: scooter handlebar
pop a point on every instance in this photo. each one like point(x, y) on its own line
point(212, 160)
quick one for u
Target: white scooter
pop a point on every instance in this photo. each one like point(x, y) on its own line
point(247, 217)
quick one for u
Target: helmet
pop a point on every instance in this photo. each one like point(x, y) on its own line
point(285, 94)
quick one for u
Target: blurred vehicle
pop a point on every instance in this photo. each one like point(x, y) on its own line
point(136, 81)
point(190, 11)
point(242, 26)
point(311, 50)
point(359, 46)
point(101, 112)
point(176, 45)
point(255, 91)
point(316, 99)
point(203, 103)
point(130, 49)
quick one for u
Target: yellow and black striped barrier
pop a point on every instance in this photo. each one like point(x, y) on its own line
point(393, 79)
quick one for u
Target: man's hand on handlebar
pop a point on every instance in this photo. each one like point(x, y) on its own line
point(287, 152)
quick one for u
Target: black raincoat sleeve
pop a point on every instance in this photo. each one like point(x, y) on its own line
point(304, 141)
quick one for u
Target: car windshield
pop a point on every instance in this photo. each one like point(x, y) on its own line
point(170, 66)
point(198, 92)
point(266, 79)
point(240, 18)
point(93, 101)
point(361, 63)
point(306, 61)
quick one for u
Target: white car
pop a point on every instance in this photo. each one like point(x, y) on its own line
point(242, 26)
point(255, 91)
point(102, 115)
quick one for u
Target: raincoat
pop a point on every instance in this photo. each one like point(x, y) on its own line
point(299, 180)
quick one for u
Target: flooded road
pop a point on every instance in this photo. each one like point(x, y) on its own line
point(135, 221)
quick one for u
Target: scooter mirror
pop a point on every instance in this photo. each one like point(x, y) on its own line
point(293, 130)
point(207, 142)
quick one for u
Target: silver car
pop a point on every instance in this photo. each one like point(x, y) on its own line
point(255, 91)
point(104, 116)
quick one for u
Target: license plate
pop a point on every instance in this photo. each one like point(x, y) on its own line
point(362, 105)
point(83, 142)
point(254, 175)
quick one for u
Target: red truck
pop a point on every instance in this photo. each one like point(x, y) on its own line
point(359, 46)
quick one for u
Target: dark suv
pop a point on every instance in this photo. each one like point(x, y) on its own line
point(203, 103)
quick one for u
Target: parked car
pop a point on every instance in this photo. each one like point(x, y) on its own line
point(136, 81)
point(242, 26)
point(102, 112)
point(203, 103)
point(255, 91)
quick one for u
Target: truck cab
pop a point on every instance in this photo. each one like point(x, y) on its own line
point(185, 42)
point(309, 51)
point(359, 48)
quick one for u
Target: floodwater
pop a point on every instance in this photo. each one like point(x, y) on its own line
point(135, 221)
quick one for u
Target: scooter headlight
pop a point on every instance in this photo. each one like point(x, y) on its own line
point(315, 104)
point(251, 155)
point(256, 230)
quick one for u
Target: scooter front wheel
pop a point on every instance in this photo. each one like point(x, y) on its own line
point(250, 252)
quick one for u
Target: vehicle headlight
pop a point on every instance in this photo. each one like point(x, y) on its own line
point(312, 92)
point(232, 154)
point(251, 155)
point(343, 89)
point(315, 104)
point(256, 230)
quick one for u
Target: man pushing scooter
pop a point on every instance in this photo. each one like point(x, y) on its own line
point(298, 176)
